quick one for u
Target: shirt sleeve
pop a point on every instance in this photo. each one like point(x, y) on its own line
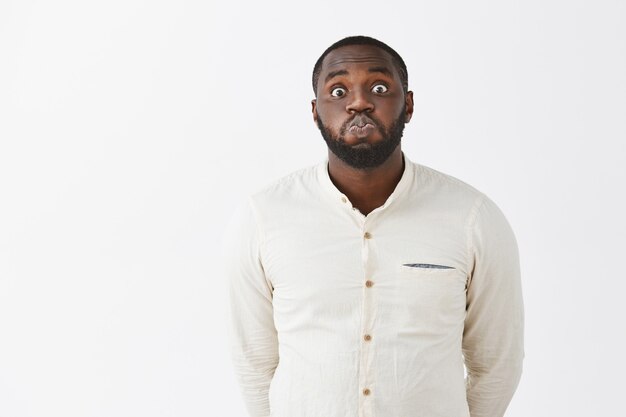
point(253, 338)
point(493, 338)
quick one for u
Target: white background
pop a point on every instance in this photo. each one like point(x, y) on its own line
point(130, 130)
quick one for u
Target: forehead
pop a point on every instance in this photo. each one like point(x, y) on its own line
point(354, 56)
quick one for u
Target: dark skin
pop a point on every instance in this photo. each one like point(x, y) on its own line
point(350, 83)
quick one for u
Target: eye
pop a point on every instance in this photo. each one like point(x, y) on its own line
point(380, 88)
point(338, 92)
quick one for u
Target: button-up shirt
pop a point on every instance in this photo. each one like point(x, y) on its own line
point(413, 310)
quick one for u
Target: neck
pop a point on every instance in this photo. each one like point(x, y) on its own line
point(368, 188)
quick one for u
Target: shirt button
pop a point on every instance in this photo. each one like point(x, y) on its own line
point(367, 337)
point(366, 391)
point(367, 235)
point(368, 283)
point(344, 200)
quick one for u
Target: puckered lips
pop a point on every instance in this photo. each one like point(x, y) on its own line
point(360, 126)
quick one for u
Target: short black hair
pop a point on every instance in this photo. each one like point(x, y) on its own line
point(363, 40)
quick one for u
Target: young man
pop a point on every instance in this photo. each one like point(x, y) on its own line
point(361, 286)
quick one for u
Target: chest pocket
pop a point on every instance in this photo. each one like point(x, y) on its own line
point(430, 294)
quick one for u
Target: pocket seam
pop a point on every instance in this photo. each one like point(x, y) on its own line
point(427, 266)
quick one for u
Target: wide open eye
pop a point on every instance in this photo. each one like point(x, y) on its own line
point(338, 92)
point(380, 88)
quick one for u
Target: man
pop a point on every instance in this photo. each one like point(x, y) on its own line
point(361, 286)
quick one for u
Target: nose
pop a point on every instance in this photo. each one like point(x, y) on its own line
point(359, 102)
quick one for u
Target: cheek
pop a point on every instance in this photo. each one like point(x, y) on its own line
point(329, 116)
point(389, 109)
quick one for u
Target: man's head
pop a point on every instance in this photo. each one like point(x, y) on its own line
point(362, 100)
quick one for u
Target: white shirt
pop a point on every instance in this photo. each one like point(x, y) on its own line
point(337, 314)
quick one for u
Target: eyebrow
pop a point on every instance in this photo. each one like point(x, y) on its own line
point(334, 74)
point(382, 70)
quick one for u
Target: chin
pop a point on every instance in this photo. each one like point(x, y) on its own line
point(361, 140)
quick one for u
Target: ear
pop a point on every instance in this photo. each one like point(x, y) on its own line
point(409, 106)
point(314, 110)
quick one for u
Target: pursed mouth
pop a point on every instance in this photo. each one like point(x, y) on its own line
point(360, 125)
point(361, 129)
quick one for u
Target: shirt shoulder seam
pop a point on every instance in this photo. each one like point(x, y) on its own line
point(290, 177)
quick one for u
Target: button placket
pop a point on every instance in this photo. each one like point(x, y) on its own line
point(369, 288)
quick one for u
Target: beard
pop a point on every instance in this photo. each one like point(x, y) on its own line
point(370, 156)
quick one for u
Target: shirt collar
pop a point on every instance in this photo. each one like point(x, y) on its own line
point(402, 186)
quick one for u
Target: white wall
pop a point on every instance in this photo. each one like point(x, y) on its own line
point(130, 129)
